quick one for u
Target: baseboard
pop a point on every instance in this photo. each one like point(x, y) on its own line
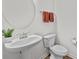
point(44, 55)
point(73, 57)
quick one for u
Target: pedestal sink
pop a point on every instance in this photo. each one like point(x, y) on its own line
point(25, 42)
point(27, 47)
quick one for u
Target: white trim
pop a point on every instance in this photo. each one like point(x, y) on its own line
point(70, 55)
point(44, 55)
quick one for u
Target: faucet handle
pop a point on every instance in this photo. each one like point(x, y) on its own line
point(23, 35)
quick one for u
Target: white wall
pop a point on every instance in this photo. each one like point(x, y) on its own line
point(38, 26)
point(66, 24)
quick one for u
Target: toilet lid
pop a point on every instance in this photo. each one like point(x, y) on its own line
point(59, 48)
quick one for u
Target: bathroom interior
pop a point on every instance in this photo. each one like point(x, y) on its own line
point(39, 29)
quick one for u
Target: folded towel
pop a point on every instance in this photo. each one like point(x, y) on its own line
point(51, 17)
point(46, 16)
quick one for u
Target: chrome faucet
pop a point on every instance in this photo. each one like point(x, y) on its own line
point(23, 35)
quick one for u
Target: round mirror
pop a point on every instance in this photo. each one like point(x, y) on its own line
point(19, 13)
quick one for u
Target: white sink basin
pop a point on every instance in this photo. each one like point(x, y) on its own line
point(32, 39)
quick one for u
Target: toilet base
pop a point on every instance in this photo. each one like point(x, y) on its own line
point(53, 56)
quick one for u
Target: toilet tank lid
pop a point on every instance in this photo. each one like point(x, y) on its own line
point(49, 35)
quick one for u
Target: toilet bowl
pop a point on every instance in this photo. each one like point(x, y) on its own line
point(56, 51)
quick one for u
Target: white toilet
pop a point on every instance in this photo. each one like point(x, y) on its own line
point(56, 51)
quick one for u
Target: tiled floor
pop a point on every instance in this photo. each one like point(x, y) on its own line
point(66, 57)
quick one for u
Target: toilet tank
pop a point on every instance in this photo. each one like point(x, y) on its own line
point(49, 40)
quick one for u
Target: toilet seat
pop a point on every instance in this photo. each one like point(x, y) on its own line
point(59, 50)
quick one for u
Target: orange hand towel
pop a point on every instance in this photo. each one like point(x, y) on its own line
point(51, 17)
point(45, 16)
